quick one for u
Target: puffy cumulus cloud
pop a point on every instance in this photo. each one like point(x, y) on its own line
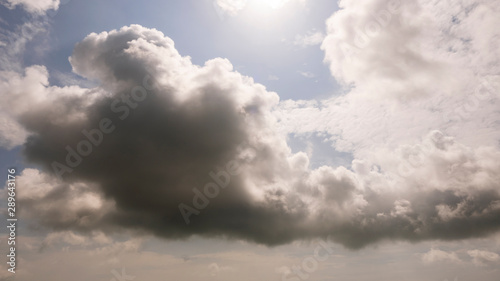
point(435, 188)
point(34, 6)
point(393, 48)
point(430, 189)
point(215, 269)
point(17, 82)
point(194, 120)
point(64, 238)
point(420, 116)
point(23, 91)
point(137, 152)
point(306, 74)
point(11, 133)
point(356, 125)
point(62, 206)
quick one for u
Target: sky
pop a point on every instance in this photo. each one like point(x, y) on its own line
point(250, 140)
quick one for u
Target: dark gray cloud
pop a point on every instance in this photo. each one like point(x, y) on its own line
point(158, 128)
point(162, 146)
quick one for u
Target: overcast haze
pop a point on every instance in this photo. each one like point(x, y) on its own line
point(252, 140)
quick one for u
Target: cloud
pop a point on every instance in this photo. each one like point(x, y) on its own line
point(436, 255)
point(385, 107)
point(215, 269)
point(407, 50)
point(23, 91)
point(273, 78)
point(229, 7)
point(307, 74)
point(14, 43)
point(34, 6)
point(11, 133)
point(198, 118)
point(386, 110)
point(483, 258)
point(171, 127)
point(312, 38)
point(62, 206)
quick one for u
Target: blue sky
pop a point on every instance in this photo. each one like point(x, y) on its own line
point(258, 49)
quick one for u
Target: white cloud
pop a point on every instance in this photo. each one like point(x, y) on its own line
point(483, 258)
point(11, 133)
point(381, 199)
point(76, 203)
point(437, 256)
point(229, 7)
point(273, 78)
point(384, 107)
point(307, 74)
point(12, 48)
point(234, 7)
point(67, 237)
point(412, 49)
point(415, 114)
point(34, 6)
point(312, 38)
point(215, 269)
point(21, 92)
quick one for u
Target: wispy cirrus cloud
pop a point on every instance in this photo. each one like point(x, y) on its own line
point(33, 6)
point(312, 38)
